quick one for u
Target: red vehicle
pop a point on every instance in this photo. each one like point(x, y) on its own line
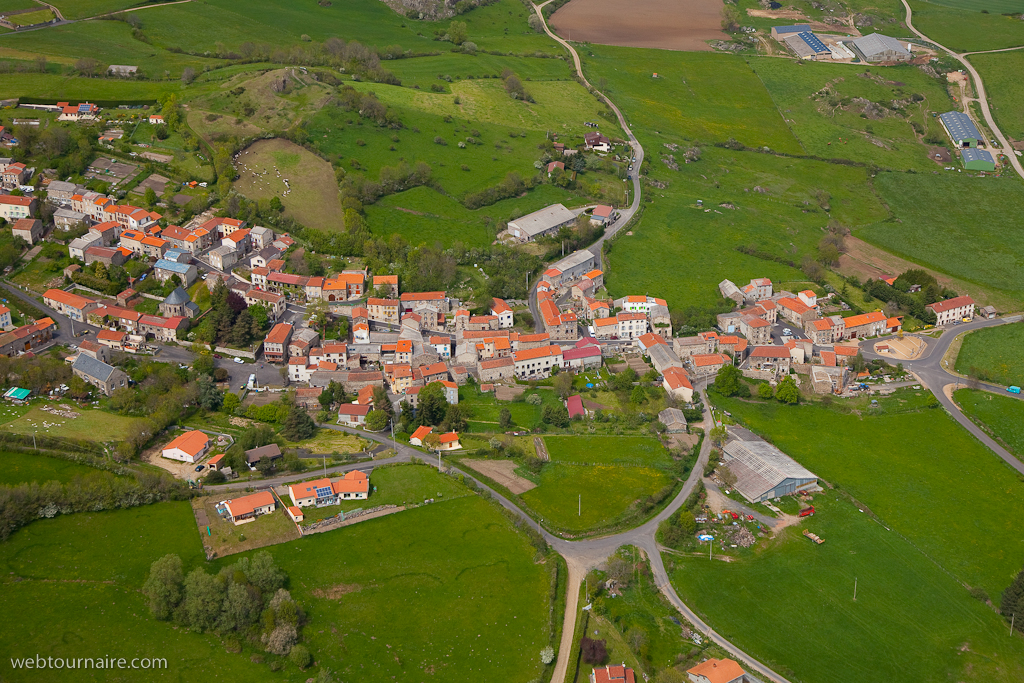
point(807, 512)
point(734, 515)
point(750, 518)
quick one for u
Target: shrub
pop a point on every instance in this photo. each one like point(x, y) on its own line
point(300, 656)
point(594, 651)
point(534, 399)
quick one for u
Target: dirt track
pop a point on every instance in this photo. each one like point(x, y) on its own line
point(664, 24)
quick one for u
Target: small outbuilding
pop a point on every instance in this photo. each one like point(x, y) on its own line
point(977, 159)
point(673, 419)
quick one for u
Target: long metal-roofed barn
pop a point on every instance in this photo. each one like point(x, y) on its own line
point(977, 159)
point(879, 48)
point(960, 128)
point(779, 32)
point(764, 472)
point(807, 45)
point(539, 223)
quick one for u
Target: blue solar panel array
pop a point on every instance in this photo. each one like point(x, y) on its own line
point(84, 108)
point(323, 492)
point(813, 41)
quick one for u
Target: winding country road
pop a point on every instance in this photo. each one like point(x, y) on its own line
point(929, 368)
point(979, 87)
point(626, 214)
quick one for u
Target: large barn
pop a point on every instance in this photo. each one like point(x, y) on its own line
point(879, 48)
point(764, 472)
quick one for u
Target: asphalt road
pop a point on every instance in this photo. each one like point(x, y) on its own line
point(626, 214)
point(933, 374)
point(982, 97)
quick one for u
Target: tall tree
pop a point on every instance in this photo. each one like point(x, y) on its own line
point(298, 425)
point(163, 587)
point(432, 404)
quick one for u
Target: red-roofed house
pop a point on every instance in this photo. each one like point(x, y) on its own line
point(187, 447)
point(537, 363)
point(421, 432)
point(73, 306)
point(774, 358)
point(582, 357)
point(613, 673)
point(503, 311)
point(449, 442)
point(677, 383)
point(248, 508)
point(952, 310)
point(864, 325)
point(15, 208)
point(352, 414)
point(717, 671)
point(796, 311)
point(705, 364)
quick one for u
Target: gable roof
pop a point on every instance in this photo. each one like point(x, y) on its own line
point(90, 367)
point(949, 304)
point(247, 504)
point(192, 442)
point(864, 319)
point(718, 670)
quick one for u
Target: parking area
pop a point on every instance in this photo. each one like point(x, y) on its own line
point(785, 330)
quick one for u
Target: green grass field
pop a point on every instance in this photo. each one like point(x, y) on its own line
point(402, 485)
point(785, 219)
point(32, 18)
point(313, 197)
point(994, 353)
point(890, 461)
point(1003, 416)
point(635, 450)
point(608, 493)
point(961, 25)
point(790, 603)
point(974, 246)
point(18, 468)
point(424, 215)
point(484, 409)
point(91, 423)
point(830, 125)
point(79, 9)
point(698, 96)
point(376, 595)
point(999, 73)
point(380, 593)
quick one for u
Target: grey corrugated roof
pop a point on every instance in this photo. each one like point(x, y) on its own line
point(574, 259)
point(172, 266)
point(544, 219)
point(960, 126)
point(876, 42)
point(973, 154)
point(759, 467)
point(91, 367)
point(797, 28)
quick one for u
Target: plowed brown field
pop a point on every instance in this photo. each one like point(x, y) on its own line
point(664, 24)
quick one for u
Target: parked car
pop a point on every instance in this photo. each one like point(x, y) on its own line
point(787, 331)
point(199, 468)
point(217, 355)
point(807, 512)
point(239, 360)
point(1013, 389)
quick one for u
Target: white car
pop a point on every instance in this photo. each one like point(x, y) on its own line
point(239, 360)
point(787, 331)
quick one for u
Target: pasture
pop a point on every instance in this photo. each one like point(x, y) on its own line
point(775, 206)
point(92, 423)
point(662, 24)
point(80, 9)
point(904, 601)
point(976, 245)
point(582, 449)
point(423, 215)
point(31, 18)
point(1001, 416)
point(963, 27)
point(18, 468)
point(700, 97)
point(581, 498)
point(887, 459)
point(484, 410)
point(1000, 72)
point(376, 594)
point(304, 182)
point(823, 104)
point(993, 354)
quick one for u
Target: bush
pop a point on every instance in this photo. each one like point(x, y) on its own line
point(594, 651)
point(534, 399)
point(215, 477)
point(300, 657)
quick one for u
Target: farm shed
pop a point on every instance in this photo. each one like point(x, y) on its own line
point(960, 129)
point(806, 45)
point(977, 159)
point(764, 472)
point(779, 33)
point(540, 223)
point(879, 48)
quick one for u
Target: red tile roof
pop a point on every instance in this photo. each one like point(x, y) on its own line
point(950, 304)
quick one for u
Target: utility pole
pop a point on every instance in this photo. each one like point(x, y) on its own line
point(325, 465)
point(855, 589)
point(579, 513)
point(710, 546)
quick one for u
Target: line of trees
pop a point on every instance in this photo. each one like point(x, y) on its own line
point(26, 502)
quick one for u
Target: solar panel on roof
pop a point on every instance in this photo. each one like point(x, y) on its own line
point(84, 107)
point(813, 41)
point(323, 492)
